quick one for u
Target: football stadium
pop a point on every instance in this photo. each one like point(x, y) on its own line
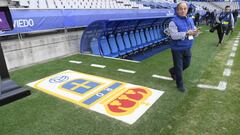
point(119, 67)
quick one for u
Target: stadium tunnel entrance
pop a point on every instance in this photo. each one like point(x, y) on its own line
point(134, 38)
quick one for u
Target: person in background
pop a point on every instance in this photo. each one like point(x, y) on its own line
point(207, 17)
point(212, 17)
point(235, 16)
point(182, 31)
point(225, 23)
point(196, 19)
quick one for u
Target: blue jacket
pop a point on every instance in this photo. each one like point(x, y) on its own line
point(225, 18)
point(183, 24)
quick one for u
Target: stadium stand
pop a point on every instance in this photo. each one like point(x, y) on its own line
point(3, 3)
point(207, 5)
point(159, 5)
point(75, 4)
point(202, 5)
point(222, 5)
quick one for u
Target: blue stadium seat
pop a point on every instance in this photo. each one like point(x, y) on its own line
point(133, 40)
point(138, 39)
point(127, 42)
point(156, 33)
point(148, 36)
point(105, 47)
point(163, 36)
point(94, 46)
point(153, 37)
point(120, 44)
point(143, 38)
point(112, 43)
point(159, 32)
point(157, 36)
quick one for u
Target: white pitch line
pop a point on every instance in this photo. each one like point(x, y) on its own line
point(221, 86)
point(162, 77)
point(98, 66)
point(227, 72)
point(236, 45)
point(234, 48)
point(91, 55)
point(126, 71)
point(112, 58)
point(229, 62)
point(236, 41)
point(232, 54)
point(122, 59)
point(75, 62)
point(205, 86)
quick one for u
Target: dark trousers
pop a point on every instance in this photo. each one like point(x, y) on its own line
point(196, 22)
point(212, 22)
point(235, 20)
point(181, 61)
point(221, 30)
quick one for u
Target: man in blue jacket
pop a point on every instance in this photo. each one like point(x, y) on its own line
point(182, 31)
point(226, 23)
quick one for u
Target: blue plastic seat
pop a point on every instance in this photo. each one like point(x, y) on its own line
point(120, 44)
point(138, 39)
point(156, 33)
point(143, 38)
point(105, 47)
point(112, 43)
point(159, 32)
point(163, 36)
point(157, 36)
point(133, 41)
point(148, 36)
point(128, 46)
point(153, 37)
point(94, 46)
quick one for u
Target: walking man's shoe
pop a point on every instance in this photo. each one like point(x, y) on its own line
point(182, 89)
point(172, 74)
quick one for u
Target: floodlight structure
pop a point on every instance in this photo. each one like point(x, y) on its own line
point(9, 90)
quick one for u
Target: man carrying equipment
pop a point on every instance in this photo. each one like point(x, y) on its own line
point(225, 23)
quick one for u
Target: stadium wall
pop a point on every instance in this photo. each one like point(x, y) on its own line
point(32, 50)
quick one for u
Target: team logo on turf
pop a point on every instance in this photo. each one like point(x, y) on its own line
point(127, 102)
point(59, 79)
point(80, 86)
point(119, 100)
